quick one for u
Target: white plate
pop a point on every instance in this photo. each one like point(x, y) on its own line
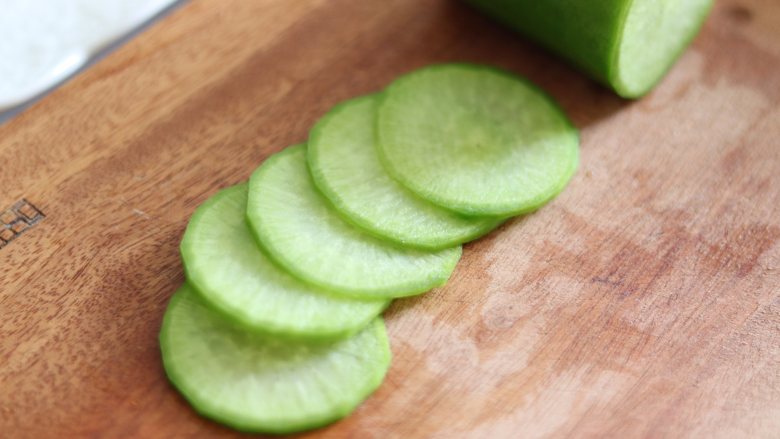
point(42, 42)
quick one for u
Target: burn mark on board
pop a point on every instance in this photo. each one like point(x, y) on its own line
point(18, 219)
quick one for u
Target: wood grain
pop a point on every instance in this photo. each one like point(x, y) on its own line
point(643, 302)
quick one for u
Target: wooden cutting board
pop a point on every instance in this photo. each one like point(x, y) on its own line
point(643, 302)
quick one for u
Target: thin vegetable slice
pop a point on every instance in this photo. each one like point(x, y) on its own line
point(224, 263)
point(261, 384)
point(298, 227)
point(475, 140)
point(345, 167)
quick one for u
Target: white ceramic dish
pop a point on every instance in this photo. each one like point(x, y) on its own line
point(42, 42)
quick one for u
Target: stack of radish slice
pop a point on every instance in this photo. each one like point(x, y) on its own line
point(278, 329)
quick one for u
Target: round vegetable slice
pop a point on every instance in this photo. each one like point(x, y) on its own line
point(224, 263)
point(475, 140)
point(626, 44)
point(262, 384)
point(345, 167)
point(300, 230)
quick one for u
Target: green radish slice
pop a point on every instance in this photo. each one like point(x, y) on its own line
point(257, 383)
point(224, 263)
point(345, 167)
point(626, 44)
point(298, 227)
point(475, 140)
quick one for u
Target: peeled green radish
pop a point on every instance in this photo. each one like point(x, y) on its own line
point(475, 140)
point(225, 265)
point(626, 44)
point(346, 168)
point(257, 383)
point(302, 231)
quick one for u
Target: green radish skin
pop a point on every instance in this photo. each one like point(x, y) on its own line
point(346, 168)
point(301, 230)
point(259, 384)
point(476, 140)
point(227, 267)
point(628, 45)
